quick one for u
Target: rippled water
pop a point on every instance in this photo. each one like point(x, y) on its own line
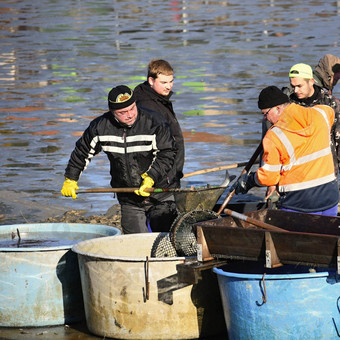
point(60, 58)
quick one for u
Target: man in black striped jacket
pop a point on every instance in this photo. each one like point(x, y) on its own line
point(141, 151)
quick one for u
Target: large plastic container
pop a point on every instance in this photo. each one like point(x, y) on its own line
point(285, 303)
point(128, 295)
point(40, 284)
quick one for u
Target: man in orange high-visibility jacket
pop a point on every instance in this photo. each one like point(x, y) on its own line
point(297, 157)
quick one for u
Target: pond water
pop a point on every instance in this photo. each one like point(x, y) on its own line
point(60, 58)
point(44, 239)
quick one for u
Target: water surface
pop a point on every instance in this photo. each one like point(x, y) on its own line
point(60, 58)
point(44, 239)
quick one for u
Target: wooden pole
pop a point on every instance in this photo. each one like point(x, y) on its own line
point(218, 168)
point(253, 221)
point(155, 190)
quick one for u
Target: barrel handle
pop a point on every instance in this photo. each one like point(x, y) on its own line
point(264, 296)
point(336, 328)
point(263, 291)
point(147, 282)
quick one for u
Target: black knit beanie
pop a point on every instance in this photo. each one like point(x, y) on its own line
point(271, 96)
point(120, 97)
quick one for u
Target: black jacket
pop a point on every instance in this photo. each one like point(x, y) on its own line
point(146, 146)
point(321, 96)
point(148, 99)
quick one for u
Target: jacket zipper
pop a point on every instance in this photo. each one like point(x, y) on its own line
point(126, 157)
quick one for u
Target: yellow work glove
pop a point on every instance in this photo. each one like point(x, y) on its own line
point(148, 182)
point(69, 188)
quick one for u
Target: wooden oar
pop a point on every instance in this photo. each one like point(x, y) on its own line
point(156, 190)
point(251, 220)
point(250, 163)
point(218, 168)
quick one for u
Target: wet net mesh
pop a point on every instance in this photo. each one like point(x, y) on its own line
point(162, 246)
point(194, 206)
point(198, 200)
point(182, 234)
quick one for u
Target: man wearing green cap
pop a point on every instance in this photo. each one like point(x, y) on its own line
point(297, 158)
point(141, 152)
point(306, 93)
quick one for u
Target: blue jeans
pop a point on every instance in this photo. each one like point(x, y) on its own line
point(149, 218)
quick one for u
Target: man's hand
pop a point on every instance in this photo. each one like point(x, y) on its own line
point(271, 191)
point(69, 188)
point(272, 195)
point(148, 182)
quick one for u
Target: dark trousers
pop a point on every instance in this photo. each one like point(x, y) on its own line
point(155, 217)
point(328, 212)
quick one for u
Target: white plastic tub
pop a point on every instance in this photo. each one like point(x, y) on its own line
point(114, 274)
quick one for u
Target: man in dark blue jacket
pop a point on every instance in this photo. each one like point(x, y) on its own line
point(154, 95)
point(141, 152)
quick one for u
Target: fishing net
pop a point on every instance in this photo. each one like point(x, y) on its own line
point(162, 246)
point(182, 234)
point(198, 199)
point(194, 205)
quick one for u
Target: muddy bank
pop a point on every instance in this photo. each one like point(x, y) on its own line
point(62, 332)
point(19, 207)
point(112, 217)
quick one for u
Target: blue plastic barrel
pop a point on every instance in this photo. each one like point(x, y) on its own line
point(290, 302)
point(40, 285)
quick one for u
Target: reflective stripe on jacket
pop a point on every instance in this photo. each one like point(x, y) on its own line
point(298, 159)
point(146, 146)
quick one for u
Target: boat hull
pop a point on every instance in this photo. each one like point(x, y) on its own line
point(310, 239)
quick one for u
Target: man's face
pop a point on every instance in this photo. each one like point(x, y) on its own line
point(128, 115)
point(271, 114)
point(303, 88)
point(162, 84)
point(336, 77)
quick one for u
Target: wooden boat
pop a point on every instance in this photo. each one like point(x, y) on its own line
point(312, 240)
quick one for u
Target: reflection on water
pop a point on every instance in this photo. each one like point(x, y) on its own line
point(60, 58)
point(44, 239)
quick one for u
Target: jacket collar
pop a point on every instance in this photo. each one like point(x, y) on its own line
point(147, 87)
